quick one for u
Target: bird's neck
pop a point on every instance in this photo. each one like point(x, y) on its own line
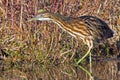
point(63, 23)
point(60, 20)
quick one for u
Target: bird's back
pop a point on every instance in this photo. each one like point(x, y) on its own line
point(100, 30)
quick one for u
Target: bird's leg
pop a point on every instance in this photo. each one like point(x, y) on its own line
point(90, 62)
point(85, 71)
point(90, 45)
point(89, 42)
point(88, 52)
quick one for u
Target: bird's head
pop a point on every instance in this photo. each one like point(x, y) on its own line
point(42, 16)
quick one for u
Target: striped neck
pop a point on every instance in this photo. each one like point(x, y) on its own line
point(59, 20)
point(63, 23)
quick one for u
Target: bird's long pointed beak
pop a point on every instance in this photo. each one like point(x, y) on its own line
point(40, 19)
point(32, 19)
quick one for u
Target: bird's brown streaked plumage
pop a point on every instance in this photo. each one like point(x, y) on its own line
point(90, 29)
point(85, 27)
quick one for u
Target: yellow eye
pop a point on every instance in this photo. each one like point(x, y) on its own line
point(41, 10)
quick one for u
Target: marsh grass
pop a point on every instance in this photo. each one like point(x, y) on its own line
point(42, 51)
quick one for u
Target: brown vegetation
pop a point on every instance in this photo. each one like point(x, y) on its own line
point(42, 51)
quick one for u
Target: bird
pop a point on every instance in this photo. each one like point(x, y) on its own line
point(90, 29)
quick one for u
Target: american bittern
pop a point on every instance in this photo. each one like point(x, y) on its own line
point(91, 30)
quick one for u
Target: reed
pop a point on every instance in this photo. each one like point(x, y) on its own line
point(90, 29)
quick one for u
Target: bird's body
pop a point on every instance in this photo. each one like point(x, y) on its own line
point(90, 29)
